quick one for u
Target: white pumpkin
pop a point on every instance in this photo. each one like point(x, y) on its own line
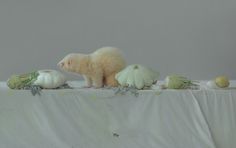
point(137, 76)
point(49, 79)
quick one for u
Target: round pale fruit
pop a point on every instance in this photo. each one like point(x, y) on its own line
point(212, 84)
point(222, 81)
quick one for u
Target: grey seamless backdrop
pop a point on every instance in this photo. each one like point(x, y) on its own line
point(196, 38)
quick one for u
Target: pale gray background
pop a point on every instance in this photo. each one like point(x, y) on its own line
point(196, 38)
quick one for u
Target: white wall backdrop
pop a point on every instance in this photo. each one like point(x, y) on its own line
point(196, 38)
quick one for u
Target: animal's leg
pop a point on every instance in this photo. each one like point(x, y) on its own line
point(88, 81)
point(98, 81)
point(111, 81)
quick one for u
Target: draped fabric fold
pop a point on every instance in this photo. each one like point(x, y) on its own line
point(97, 118)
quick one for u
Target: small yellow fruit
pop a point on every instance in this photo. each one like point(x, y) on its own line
point(222, 81)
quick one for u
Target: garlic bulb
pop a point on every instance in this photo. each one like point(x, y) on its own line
point(137, 76)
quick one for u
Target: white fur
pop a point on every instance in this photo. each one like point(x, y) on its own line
point(98, 68)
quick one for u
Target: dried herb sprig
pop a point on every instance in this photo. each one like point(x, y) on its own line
point(120, 90)
point(37, 90)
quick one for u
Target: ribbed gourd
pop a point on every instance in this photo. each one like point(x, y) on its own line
point(137, 76)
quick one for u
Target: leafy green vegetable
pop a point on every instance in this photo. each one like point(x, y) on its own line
point(21, 81)
point(27, 81)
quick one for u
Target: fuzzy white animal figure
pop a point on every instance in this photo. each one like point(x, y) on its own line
point(98, 68)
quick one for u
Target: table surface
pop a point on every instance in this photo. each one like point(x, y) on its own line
point(99, 118)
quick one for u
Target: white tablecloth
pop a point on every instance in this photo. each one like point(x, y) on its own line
point(96, 118)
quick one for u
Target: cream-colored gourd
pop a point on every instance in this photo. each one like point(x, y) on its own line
point(49, 79)
point(137, 76)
